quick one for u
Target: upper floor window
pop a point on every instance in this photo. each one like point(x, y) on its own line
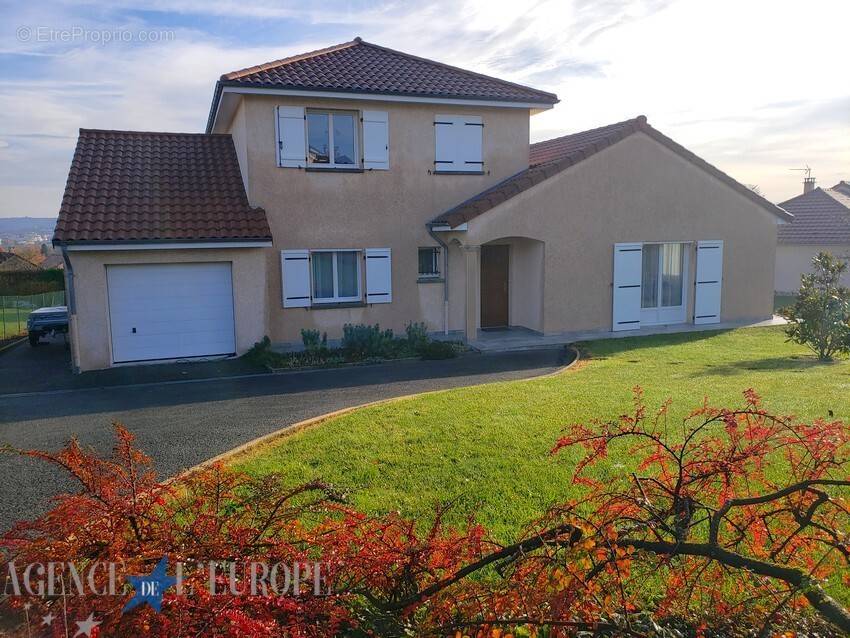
point(318, 138)
point(458, 144)
point(332, 139)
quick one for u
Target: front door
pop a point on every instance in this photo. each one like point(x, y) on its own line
point(494, 286)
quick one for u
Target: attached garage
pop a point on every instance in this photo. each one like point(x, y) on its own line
point(166, 258)
point(170, 311)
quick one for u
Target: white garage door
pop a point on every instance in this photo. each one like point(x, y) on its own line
point(170, 311)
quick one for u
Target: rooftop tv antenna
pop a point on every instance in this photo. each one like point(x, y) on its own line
point(807, 170)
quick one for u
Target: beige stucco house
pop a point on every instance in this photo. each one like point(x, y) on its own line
point(821, 224)
point(358, 184)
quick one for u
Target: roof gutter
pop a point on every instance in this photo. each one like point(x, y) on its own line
point(164, 244)
point(216, 102)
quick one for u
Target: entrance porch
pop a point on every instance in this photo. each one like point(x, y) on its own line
point(504, 286)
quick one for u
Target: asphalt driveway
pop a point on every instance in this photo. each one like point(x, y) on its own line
point(48, 367)
point(181, 422)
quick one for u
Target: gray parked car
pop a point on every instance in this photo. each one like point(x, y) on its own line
point(46, 321)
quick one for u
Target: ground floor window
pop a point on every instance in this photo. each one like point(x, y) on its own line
point(662, 291)
point(429, 262)
point(336, 275)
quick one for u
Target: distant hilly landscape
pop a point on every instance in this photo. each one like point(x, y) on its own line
point(26, 225)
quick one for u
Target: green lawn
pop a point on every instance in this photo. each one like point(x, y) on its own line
point(486, 447)
point(13, 322)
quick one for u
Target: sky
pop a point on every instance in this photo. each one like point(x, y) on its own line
point(756, 87)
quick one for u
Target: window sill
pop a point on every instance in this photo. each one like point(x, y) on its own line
point(458, 172)
point(430, 280)
point(338, 304)
point(332, 169)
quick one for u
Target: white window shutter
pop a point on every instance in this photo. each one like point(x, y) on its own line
point(291, 137)
point(471, 138)
point(379, 275)
point(376, 140)
point(447, 147)
point(628, 266)
point(709, 282)
point(295, 278)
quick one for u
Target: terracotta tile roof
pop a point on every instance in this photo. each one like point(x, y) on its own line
point(131, 186)
point(13, 261)
point(560, 147)
point(821, 216)
point(363, 67)
point(549, 158)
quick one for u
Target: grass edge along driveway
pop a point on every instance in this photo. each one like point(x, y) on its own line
point(486, 448)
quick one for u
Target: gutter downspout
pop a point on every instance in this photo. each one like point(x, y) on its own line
point(71, 301)
point(445, 248)
point(69, 282)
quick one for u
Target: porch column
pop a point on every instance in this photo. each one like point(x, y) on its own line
point(473, 291)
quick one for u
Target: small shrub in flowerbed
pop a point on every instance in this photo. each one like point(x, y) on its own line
point(360, 343)
point(312, 341)
point(417, 334)
point(260, 353)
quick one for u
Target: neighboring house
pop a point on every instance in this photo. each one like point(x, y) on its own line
point(842, 187)
point(358, 184)
point(53, 262)
point(821, 224)
point(12, 262)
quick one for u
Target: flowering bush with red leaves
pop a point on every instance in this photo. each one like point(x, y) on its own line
point(731, 520)
point(737, 512)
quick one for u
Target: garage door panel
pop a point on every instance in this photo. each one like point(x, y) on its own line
point(176, 312)
point(170, 311)
point(207, 326)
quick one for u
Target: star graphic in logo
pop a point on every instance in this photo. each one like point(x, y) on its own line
point(47, 620)
point(149, 589)
point(85, 627)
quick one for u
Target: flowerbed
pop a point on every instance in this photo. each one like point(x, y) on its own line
point(360, 344)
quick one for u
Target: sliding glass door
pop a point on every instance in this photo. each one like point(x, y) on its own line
point(663, 276)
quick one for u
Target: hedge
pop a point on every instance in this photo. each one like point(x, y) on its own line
point(31, 282)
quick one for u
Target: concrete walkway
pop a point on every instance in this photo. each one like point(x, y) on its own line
point(181, 424)
point(516, 339)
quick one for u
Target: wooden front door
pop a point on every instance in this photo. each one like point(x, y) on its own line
point(494, 286)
